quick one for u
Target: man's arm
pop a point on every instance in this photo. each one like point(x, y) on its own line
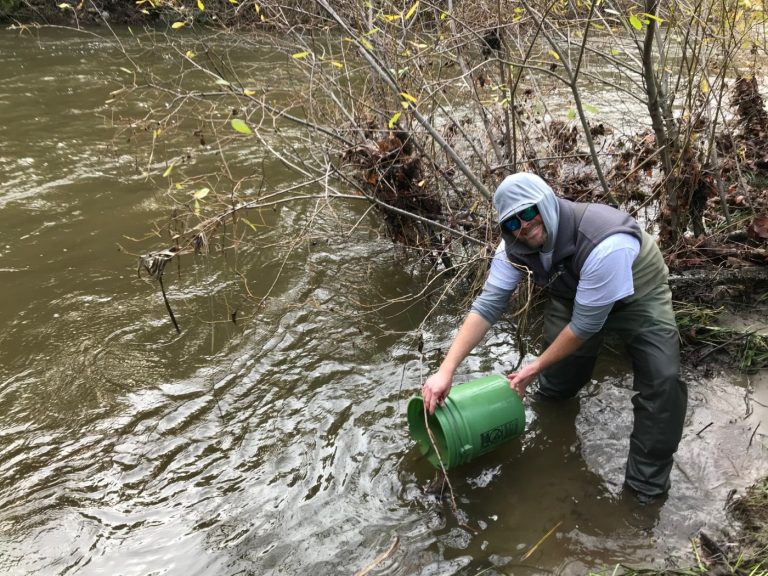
point(437, 386)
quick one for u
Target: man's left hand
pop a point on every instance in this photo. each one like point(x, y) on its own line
point(520, 380)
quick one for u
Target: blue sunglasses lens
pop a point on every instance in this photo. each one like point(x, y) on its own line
point(513, 223)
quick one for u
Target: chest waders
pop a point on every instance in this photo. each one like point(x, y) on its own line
point(645, 323)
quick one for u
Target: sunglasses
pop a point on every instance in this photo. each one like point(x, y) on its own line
point(514, 222)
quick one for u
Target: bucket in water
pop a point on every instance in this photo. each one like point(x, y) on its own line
point(477, 417)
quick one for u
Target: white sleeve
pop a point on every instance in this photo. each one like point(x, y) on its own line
point(502, 274)
point(607, 273)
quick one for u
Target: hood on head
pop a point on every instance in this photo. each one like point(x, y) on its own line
point(519, 191)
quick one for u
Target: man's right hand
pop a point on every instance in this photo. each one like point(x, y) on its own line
point(435, 390)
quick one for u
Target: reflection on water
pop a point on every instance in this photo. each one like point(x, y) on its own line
point(276, 444)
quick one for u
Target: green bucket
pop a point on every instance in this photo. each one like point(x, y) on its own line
point(476, 418)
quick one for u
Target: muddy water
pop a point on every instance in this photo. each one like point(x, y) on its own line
point(277, 444)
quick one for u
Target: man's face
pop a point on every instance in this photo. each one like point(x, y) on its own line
point(533, 233)
point(526, 226)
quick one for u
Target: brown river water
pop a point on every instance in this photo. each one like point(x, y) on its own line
point(278, 445)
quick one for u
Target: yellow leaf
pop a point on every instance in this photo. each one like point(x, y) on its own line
point(417, 45)
point(372, 31)
point(652, 17)
point(202, 193)
point(222, 82)
point(65, 6)
point(197, 208)
point(190, 54)
point(299, 55)
point(251, 224)
point(337, 64)
point(178, 186)
point(390, 17)
point(177, 25)
point(249, 92)
point(157, 133)
point(412, 11)
point(393, 120)
point(257, 8)
point(408, 97)
point(233, 1)
point(168, 170)
point(200, 5)
point(704, 86)
point(554, 55)
point(367, 44)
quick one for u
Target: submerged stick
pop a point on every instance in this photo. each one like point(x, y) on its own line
point(541, 540)
point(705, 427)
point(380, 558)
point(168, 305)
point(753, 435)
point(439, 459)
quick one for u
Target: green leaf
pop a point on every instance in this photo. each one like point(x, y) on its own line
point(591, 109)
point(202, 193)
point(571, 114)
point(393, 120)
point(240, 126)
point(635, 22)
point(300, 55)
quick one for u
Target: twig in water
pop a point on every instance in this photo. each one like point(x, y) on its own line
point(380, 558)
point(753, 435)
point(541, 540)
point(705, 427)
point(168, 305)
point(432, 440)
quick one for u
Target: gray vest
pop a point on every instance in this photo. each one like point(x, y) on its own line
point(580, 229)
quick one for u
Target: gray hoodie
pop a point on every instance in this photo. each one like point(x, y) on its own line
point(519, 191)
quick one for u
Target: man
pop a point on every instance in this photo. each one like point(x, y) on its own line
point(602, 273)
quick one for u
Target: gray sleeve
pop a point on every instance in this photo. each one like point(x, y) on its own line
point(492, 302)
point(588, 320)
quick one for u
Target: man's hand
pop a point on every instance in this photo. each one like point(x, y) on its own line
point(520, 380)
point(435, 389)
